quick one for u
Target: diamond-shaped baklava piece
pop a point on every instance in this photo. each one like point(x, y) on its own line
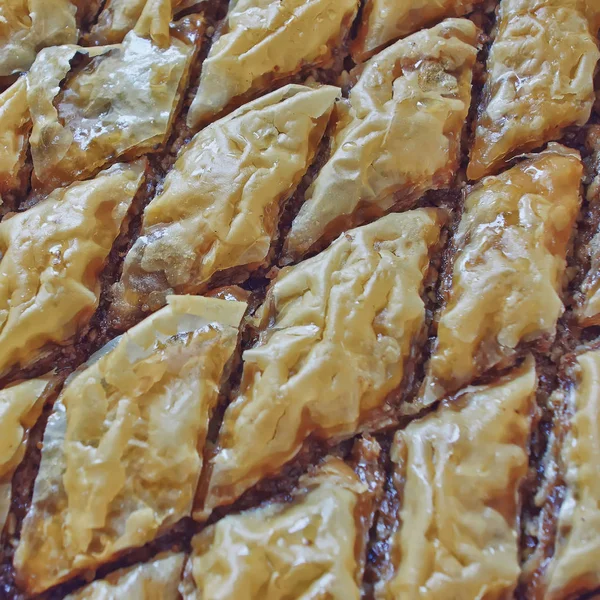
point(400, 138)
point(220, 204)
point(508, 267)
point(264, 41)
point(336, 334)
point(123, 447)
point(51, 258)
point(158, 578)
point(540, 80)
point(312, 545)
point(20, 408)
point(384, 21)
point(456, 477)
point(27, 26)
point(92, 105)
point(566, 561)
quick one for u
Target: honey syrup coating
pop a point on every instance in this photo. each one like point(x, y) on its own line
point(264, 41)
point(123, 448)
point(27, 26)
point(92, 105)
point(157, 579)
point(310, 547)
point(385, 21)
point(458, 472)
point(220, 204)
point(507, 275)
point(400, 138)
point(570, 567)
point(20, 407)
point(336, 331)
point(51, 258)
point(540, 80)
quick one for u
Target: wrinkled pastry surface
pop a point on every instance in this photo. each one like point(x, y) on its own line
point(20, 407)
point(574, 568)
point(400, 138)
point(266, 40)
point(154, 580)
point(51, 257)
point(304, 549)
point(540, 80)
point(123, 447)
point(384, 21)
point(458, 471)
point(220, 204)
point(27, 26)
point(337, 330)
point(508, 268)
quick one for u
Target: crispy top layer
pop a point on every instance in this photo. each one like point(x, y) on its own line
point(540, 80)
point(458, 473)
point(508, 269)
point(386, 20)
point(220, 204)
point(123, 447)
point(303, 549)
point(574, 568)
point(157, 579)
point(51, 257)
point(336, 332)
point(26, 26)
point(263, 41)
point(400, 138)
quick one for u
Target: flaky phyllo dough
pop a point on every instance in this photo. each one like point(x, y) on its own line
point(399, 137)
point(123, 447)
point(220, 204)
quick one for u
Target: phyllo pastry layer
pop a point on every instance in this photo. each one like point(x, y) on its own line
point(399, 138)
point(123, 447)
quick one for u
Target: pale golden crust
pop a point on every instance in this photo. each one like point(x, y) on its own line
point(123, 447)
point(384, 21)
point(574, 567)
point(26, 26)
point(157, 579)
point(337, 330)
point(304, 549)
point(20, 407)
point(508, 269)
point(220, 204)
point(458, 473)
point(15, 126)
point(120, 103)
point(401, 137)
point(540, 80)
point(51, 257)
point(263, 41)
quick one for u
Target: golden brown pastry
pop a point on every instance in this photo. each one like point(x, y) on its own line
point(220, 204)
point(540, 80)
point(92, 105)
point(123, 447)
point(572, 568)
point(312, 547)
point(458, 473)
point(508, 268)
point(154, 580)
point(264, 41)
point(336, 333)
point(20, 408)
point(400, 138)
point(27, 26)
point(15, 126)
point(51, 258)
point(384, 21)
